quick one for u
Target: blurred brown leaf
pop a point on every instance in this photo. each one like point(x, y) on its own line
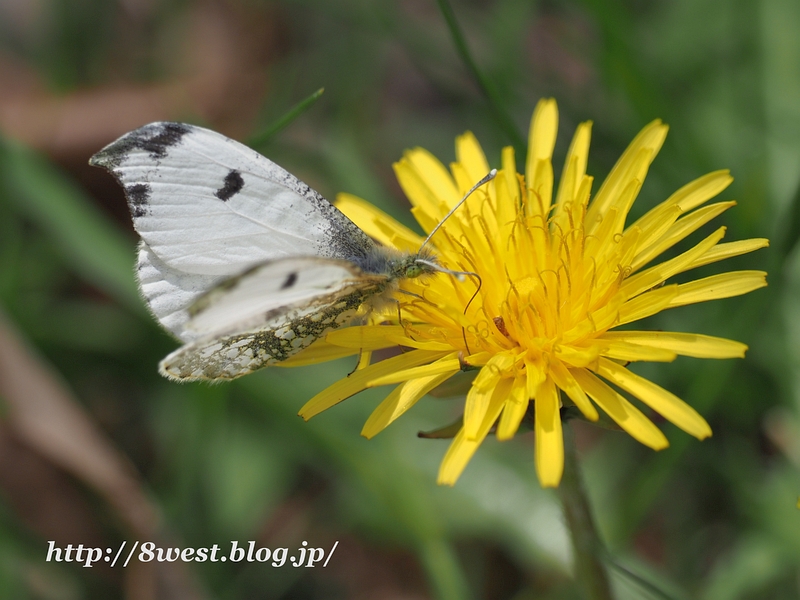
point(218, 73)
point(42, 414)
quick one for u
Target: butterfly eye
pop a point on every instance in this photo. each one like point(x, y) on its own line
point(414, 270)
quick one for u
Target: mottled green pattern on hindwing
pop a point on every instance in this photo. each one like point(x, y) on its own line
point(228, 357)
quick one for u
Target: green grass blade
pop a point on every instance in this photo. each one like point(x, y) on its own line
point(487, 87)
point(261, 139)
point(788, 239)
point(643, 583)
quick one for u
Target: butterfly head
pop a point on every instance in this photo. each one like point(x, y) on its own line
point(416, 269)
point(412, 266)
point(423, 263)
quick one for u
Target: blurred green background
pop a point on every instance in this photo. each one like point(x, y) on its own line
point(96, 448)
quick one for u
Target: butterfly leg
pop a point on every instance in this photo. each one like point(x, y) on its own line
point(480, 285)
point(407, 293)
point(364, 357)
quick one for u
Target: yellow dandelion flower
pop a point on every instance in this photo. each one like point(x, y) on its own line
point(555, 277)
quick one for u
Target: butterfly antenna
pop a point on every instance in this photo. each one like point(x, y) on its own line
point(460, 275)
point(489, 176)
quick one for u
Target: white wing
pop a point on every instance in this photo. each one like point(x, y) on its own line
point(170, 292)
point(208, 207)
point(268, 314)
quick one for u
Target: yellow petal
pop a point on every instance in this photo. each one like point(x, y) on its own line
point(542, 134)
point(364, 360)
point(566, 192)
point(509, 173)
point(563, 378)
point(577, 357)
point(678, 231)
point(659, 273)
point(427, 220)
point(575, 164)
point(399, 401)
point(462, 448)
point(471, 157)
point(420, 196)
point(477, 404)
point(402, 340)
point(464, 182)
point(622, 350)
point(515, 407)
point(319, 351)
point(357, 382)
point(665, 403)
point(539, 169)
point(449, 365)
point(549, 438)
point(690, 196)
point(650, 138)
point(605, 317)
point(729, 250)
point(624, 414)
point(701, 190)
point(647, 304)
point(626, 192)
point(664, 217)
point(497, 366)
point(365, 337)
point(483, 388)
point(435, 176)
point(724, 285)
point(377, 224)
point(534, 376)
point(507, 204)
point(686, 344)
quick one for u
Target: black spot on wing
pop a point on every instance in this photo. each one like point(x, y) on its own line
point(290, 280)
point(138, 196)
point(232, 185)
point(155, 139)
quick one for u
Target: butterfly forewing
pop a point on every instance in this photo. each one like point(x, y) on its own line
point(169, 292)
point(208, 208)
point(268, 314)
point(208, 205)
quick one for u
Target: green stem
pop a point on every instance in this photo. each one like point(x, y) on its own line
point(589, 568)
point(485, 84)
point(444, 572)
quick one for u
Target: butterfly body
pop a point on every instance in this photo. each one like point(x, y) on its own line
point(240, 260)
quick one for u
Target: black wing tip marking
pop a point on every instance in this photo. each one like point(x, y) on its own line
point(155, 139)
point(232, 185)
point(138, 196)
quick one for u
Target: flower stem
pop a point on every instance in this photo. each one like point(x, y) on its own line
point(589, 568)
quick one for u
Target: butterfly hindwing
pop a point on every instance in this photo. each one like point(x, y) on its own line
point(269, 313)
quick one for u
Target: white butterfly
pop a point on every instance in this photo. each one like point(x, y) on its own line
point(241, 261)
